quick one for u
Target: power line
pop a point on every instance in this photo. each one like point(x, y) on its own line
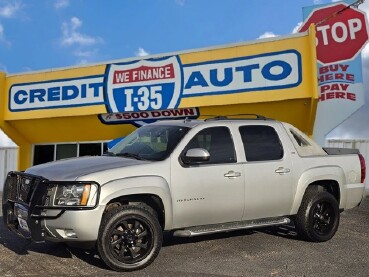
point(356, 4)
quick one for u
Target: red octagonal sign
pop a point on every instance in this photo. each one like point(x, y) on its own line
point(342, 36)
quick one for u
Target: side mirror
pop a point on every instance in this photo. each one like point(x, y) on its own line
point(196, 156)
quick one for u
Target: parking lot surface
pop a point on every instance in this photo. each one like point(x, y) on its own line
point(264, 252)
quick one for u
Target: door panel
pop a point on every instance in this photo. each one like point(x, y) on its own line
point(211, 191)
point(268, 173)
point(203, 195)
point(267, 193)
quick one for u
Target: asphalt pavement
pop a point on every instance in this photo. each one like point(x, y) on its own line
point(264, 252)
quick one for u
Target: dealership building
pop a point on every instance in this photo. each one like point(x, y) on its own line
point(75, 111)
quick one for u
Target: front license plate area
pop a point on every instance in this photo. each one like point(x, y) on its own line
point(23, 224)
point(21, 213)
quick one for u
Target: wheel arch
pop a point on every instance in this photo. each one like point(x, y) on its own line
point(153, 191)
point(330, 179)
point(150, 200)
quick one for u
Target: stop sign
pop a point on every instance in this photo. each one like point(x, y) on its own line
point(340, 37)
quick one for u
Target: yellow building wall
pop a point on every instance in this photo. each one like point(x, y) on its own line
point(35, 121)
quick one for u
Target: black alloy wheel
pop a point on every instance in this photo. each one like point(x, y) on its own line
point(131, 240)
point(318, 216)
point(323, 218)
point(130, 237)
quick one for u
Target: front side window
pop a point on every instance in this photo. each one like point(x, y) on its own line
point(261, 143)
point(151, 142)
point(217, 141)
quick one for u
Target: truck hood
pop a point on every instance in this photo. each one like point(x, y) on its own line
point(71, 169)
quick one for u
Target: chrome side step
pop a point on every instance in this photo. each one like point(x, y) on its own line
point(231, 226)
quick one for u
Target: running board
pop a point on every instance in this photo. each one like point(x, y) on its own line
point(231, 226)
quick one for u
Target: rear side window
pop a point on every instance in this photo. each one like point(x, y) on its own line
point(299, 140)
point(261, 143)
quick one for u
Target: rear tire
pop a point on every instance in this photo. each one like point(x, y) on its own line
point(130, 238)
point(318, 217)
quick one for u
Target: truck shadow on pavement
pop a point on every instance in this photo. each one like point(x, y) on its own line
point(91, 257)
point(284, 231)
point(11, 241)
point(21, 246)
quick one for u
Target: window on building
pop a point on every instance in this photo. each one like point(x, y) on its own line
point(43, 154)
point(261, 143)
point(90, 149)
point(52, 152)
point(105, 147)
point(64, 151)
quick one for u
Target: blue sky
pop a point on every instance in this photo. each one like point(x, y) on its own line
point(43, 34)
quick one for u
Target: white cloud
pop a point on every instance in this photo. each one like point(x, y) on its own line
point(71, 36)
point(26, 69)
point(268, 35)
point(10, 8)
point(141, 52)
point(3, 68)
point(365, 52)
point(5, 140)
point(3, 40)
point(83, 46)
point(85, 53)
point(1, 32)
point(60, 4)
point(364, 7)
point(82, 62)
point(297, 28)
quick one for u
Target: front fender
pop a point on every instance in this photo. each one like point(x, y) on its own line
point(312, 175)
point(154, 185)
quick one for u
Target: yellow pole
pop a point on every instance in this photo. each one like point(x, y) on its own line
point(314, 81)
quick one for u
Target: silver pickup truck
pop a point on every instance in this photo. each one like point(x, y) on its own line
point(190, 177)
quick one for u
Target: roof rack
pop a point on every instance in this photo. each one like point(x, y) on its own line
point(255, 116)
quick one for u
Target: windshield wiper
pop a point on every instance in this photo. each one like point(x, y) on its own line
point(129, 155)
point(108, 153)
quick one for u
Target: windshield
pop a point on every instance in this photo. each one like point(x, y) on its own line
point(150, 142)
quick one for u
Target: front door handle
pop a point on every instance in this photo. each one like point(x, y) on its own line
point(282, 170)
point(232, 174)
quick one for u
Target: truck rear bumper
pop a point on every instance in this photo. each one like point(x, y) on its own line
point(355, 194)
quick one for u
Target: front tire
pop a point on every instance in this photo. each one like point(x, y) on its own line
point(130, 238)
point(318, 217)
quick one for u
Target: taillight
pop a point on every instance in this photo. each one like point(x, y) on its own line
point(363, 167)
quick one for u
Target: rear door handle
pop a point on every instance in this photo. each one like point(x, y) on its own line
point(282, 170)
point(232, 174)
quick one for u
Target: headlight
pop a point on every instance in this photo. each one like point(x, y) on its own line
point(74, 194)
